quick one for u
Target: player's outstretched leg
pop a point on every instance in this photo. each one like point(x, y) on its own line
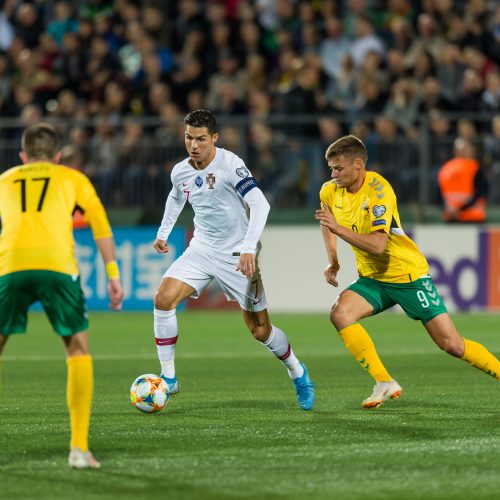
point(478, 356)
point(361, 346)
point(443, 331)
point(166, 334)
point(278, 344)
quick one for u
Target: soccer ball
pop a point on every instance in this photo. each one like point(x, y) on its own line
point(149, 393)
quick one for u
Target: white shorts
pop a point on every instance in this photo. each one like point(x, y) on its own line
point(198, 268)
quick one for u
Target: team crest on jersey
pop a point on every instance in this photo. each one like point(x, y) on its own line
point(378, 210)
point(242, 171)
point(198, 181)
point(210, 178)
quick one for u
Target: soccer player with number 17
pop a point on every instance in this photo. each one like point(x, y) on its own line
point(230, 212)
point(359, 206)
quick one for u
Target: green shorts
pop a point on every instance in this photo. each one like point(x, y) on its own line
point(419, 299)
point(60, 295)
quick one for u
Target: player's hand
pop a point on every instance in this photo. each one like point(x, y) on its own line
point(160, 246)
point(327, 219)
point(331, 274)
point(247, 264)
point(115, 292)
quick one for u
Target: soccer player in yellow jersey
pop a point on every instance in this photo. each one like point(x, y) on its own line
point(359, 207)
point(37, 263)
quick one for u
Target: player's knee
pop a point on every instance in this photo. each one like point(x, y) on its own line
point(164, 300)
point(339, 316)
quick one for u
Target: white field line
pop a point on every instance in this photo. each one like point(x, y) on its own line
point(204, 355)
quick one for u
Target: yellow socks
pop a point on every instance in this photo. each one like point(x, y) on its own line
point(359, 343)
point(79, 395)
point(477, 355)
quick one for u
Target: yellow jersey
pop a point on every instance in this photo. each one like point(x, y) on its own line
point(374, 208)
point(36, 205)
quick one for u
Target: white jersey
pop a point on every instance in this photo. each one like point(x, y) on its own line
point(221, 195)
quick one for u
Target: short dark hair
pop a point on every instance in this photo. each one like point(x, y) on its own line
point(350, 146)
point(201, 118)
point(41, 141)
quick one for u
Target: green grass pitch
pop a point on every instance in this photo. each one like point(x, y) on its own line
point(236, 431)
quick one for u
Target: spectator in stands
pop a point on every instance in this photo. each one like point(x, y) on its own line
point(231, 138)
point(103, 165)
point(250, 39)
point(139, 173)
point(73, 63)
point(265, 153)
point(28, 24)
point(463, 185)
point(450, 70)
point(334, 47)
point(490, 98)
point(186, 79)
point(63, 22)
point(6, 29)
point(428, 38)
point(341, 91)
point(471, 91)
point(431, 96)
point(396, 68)
point(395, 157)
point(440, 139)
point(366, 41)
point(402, 106)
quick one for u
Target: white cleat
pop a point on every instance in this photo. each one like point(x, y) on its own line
point(82, 460)
point(382, 391)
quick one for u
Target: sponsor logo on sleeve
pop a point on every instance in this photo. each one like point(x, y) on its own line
point(379, 222)
point(378, 210)
point(242, 171)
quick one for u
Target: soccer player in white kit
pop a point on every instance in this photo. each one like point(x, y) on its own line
point(230, 212)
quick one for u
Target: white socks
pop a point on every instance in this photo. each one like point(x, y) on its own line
point(166, 333)
point(278, 344)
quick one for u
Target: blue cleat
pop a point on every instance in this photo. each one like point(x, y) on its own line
point(172, 384)
point(304, 389)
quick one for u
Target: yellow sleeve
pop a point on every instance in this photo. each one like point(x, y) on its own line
point(88, 200)
point(382, 203)
point(325, 194)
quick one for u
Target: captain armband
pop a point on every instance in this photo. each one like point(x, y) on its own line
point(112, 270)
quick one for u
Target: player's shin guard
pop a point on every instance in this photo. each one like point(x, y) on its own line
point(278, 344)
point(166, 334)
point(79, 395)
point(478, 356)
point(360, 345)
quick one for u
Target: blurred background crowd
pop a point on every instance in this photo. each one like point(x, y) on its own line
point(284, 77)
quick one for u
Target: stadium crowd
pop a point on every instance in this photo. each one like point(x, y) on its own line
point(285, 78)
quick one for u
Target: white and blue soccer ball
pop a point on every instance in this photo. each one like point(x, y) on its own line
point(149, 393)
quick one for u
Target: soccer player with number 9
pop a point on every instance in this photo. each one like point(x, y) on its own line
point(359, 206)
